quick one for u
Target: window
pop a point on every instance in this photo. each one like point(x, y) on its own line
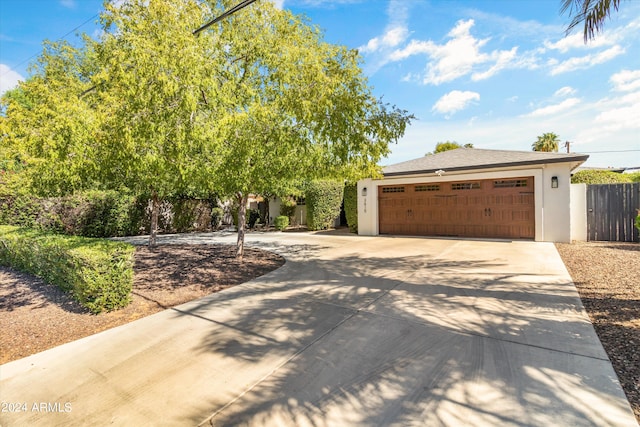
point(433, 187)
point(465, 186)
point(510, 183)
point(393, 189)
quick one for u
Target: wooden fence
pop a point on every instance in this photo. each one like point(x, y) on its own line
point(611, 212)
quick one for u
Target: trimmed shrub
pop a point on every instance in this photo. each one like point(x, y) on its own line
point(288, 208)
point(324, 199)
point(98, 273)
point(351, 206)
point(91, 214)
point(635, 177)
point(103, 214)
point(600, 177)
point(281, 222)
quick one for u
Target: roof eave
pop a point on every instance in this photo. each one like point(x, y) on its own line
point(576, 161)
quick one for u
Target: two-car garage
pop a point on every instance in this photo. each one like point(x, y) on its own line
point(493, 208)
point(471, 192)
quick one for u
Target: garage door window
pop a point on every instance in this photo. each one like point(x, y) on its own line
point(434, 187)
point(393, 190)
point(510, 183)
point(465, 186)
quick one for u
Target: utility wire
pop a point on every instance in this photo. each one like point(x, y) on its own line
point(13, 67)
point(226, 13)
point(613, 151)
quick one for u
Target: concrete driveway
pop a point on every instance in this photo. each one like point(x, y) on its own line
point(350, 331)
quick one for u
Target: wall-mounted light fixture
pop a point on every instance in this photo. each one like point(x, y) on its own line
point(364, 191)
point(554, 182)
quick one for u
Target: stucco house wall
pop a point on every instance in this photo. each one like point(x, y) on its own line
point(553, 220)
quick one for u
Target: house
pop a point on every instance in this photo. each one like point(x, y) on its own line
point(470, 192)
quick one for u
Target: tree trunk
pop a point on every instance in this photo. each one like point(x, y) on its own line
point(242, 220)
point(155, 212)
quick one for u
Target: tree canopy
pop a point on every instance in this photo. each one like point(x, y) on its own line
point(252, 104)
point(448, 145)
point(546, 142)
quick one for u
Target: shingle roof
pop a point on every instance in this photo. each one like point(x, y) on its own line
point(475, 158)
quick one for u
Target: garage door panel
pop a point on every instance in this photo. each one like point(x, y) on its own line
point(487, 208)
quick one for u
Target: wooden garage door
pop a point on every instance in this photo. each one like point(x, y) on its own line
point(501, 208)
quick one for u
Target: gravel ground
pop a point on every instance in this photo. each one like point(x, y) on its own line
point(36, 316)
point(607, 275)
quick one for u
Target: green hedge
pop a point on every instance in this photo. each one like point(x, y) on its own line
point(98, 273)
point(600, 177)
point(103, 214)
point(281, 222)
point(351, 206)
point(323, 200)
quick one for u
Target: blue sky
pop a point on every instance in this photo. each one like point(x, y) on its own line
point(492, 73)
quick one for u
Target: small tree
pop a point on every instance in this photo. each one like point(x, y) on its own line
point(448, 145)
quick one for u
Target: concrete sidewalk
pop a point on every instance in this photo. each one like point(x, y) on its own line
point(350, 331)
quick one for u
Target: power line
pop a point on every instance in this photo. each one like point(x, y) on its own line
point(612, 151)
point(13, 67)
point(226, 13)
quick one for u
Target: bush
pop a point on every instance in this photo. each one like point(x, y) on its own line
point(98, 273)
point(638, 221)
point(351, 206)
point(599, 177)
point(635, 176)
point(103, 214)
point(217, 215)
point(281, 222)
point(324, 199)
point(91, 214)
point(288, 208)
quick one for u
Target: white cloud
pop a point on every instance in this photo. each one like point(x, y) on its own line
point(8, 78)
point(69, 4)
point(564, 91)
point(502, 58)
point(554, 109)
point(587, 61)
point(576, 41)
point(455, 101)
point(626, 80)
point(461, 55)
point(391, 38)
point(395, 33)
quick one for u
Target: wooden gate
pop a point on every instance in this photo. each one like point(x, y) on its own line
point(611, 212)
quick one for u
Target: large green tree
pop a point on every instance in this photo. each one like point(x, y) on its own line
point(152, 71)
point(546, 142)
point(254, 104)
point(591, 13)
point(290, 107)
point(49, 125)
